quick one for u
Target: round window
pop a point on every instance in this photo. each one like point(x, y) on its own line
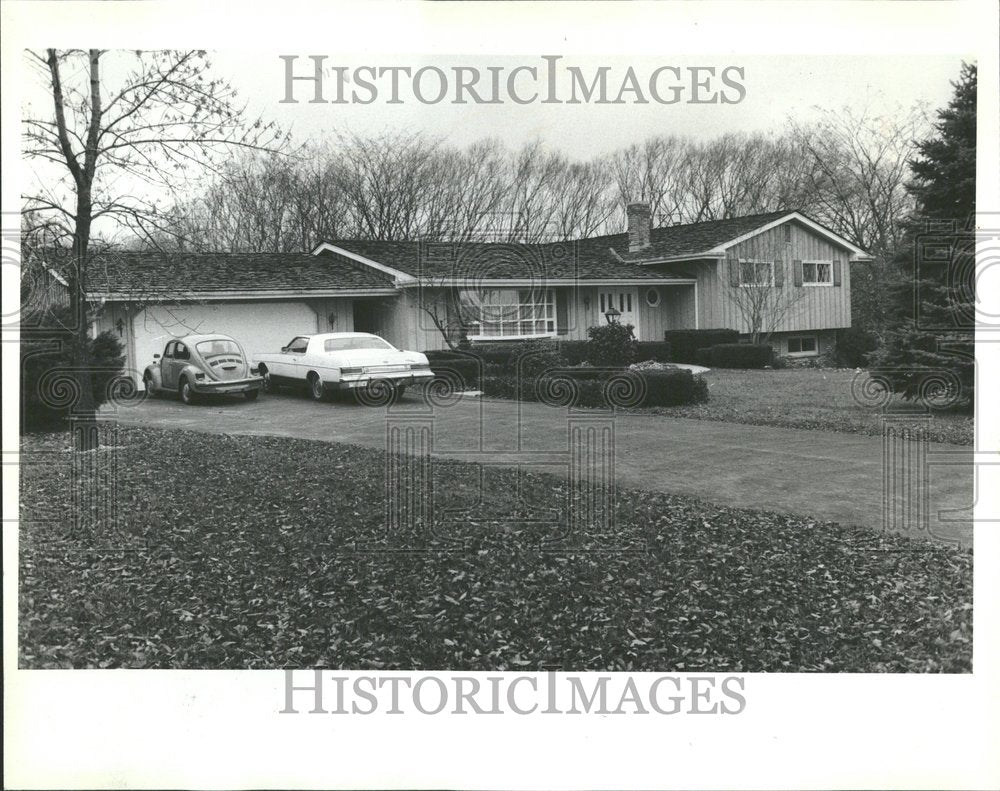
point(652, 297)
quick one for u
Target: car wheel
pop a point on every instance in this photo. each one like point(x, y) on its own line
point(187, 394)
point(316, 387)
point(270, 386)
point(147, 383)
point(251, 395)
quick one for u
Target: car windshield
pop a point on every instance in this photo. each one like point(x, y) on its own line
point(217, 347)
point(358, 342)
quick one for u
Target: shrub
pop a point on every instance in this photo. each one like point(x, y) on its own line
point(612, 345)
point(597, 387)
point(853, 347)
point(460, 369)
point(660, 351)
point(703, 357)
point(48, 376)
point(740, 355)
point(535, 360)
point(685, 343)
point(574, 352)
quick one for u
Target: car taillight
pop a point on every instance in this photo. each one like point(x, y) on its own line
point(199, 375)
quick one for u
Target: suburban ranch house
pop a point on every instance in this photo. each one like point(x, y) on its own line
point(676, 277)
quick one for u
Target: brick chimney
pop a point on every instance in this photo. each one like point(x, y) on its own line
point(639, 223)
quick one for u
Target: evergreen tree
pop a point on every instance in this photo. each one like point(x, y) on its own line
point(929, 353)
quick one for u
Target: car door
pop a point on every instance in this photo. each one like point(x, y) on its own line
point(167, 382)
point(180, 358)
point(291, 358)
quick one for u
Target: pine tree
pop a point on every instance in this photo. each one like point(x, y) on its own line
point(929, 353)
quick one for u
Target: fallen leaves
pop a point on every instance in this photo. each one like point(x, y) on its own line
point(250, 562)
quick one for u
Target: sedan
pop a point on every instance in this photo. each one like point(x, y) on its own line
point(345, 361)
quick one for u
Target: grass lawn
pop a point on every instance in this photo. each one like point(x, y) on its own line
point(812, 398)
point(242, 555)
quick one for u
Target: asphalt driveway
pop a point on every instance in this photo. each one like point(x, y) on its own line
point(826, 475)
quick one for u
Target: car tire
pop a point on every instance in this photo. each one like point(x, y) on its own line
point(317, 390)
point(147, 383)
point(270, 386)
point(187, 393)
point(251, 395)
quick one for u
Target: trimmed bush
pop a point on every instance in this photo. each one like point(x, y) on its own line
point(740, 355)
point(575, 352)
point(660, 351)
point(462, 369)
point(703, 357)
point(612, 345)
point(603, 387)
point(685, 343)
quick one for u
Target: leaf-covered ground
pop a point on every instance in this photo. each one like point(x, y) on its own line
point(821, 399)
point(242, 552)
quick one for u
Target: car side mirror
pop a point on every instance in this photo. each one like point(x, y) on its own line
point(284, 348)
point(156, 357)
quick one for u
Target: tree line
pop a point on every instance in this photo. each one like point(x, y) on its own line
point(846, 170)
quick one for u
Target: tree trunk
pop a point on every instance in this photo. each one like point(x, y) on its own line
point(83, 414)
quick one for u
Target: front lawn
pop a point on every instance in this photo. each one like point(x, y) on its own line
point(810, 398)
point(239, 552)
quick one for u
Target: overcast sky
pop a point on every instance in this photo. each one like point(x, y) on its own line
point(776, 88)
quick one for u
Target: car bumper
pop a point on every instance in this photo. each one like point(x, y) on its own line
point(232, 386)
point(401, 379)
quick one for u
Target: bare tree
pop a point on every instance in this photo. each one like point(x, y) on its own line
point(756, 285)
point(116, 146)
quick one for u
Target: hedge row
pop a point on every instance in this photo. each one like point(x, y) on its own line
point(686, 343)
point(590, 387)
point(736, 355)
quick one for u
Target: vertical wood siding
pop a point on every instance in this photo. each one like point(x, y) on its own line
point(814, 307)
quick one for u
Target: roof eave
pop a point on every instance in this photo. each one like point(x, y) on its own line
point(398, 275)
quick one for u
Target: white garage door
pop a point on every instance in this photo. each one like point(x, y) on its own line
point(259, 326)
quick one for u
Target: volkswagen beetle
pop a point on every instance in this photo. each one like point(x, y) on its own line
point(201, 365)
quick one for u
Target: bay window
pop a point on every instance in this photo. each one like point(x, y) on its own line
point(508, 313)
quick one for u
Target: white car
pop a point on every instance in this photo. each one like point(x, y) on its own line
point(332, 361)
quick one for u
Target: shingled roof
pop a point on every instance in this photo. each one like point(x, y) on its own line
point(694, 238)
point(586, 259)
point(184, 273)
point(594, 258)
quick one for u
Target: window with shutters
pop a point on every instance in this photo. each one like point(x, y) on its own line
point(817, 273)
point(756, 273)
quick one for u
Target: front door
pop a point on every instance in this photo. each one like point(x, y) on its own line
point(625, 301)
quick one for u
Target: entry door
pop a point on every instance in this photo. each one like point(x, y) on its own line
point(625, 300)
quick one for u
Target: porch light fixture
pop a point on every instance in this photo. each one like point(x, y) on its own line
point(613, 315)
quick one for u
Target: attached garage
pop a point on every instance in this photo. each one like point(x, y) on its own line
point(261, 300)
point(259, 326)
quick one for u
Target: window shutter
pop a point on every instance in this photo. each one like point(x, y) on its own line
point(734, 271)
point(562, 313)
point(797, 271)
point(836, 272)
point(779, 273)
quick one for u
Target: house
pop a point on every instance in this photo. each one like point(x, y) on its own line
point(677, 277)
